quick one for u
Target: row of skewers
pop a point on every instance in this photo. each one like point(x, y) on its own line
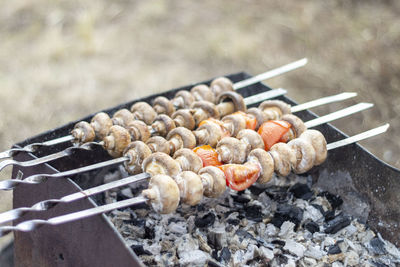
point(250, 145)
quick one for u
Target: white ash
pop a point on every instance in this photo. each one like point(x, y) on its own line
point(258, 227)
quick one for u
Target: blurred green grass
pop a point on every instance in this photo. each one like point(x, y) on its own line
point(61, 60)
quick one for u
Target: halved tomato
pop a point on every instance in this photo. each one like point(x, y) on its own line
point(272, 132)
point(239, 177)
point(208, 155)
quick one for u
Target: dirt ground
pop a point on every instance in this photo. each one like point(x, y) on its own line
point(61, 60)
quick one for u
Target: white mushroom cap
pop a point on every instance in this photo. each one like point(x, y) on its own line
point(305, 155)
point(318, 142)
point(190, 187)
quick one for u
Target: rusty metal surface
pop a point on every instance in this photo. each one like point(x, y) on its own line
point(351, 172)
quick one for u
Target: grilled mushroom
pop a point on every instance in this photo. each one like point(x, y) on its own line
point(181, 138)
point(208, 133)
point(101, 124)
point(190, 187)
point(161, 163)
point(220, 85)
point(230, 102)
point(318, 142)
point(203, 110)
point(305, 155)
point(184, 118)
point(213, 180)
point(163, 193)
point(234, 123)
point(162, 125)
point(274, 109)
point(202, 92)
point(158, 144)
point(116, 141)
point(136, 151)
point(144, 112)
point(138, 130)
point(183, 99)
point(251, 137)
point(122, 117)
point(188, 160)
point(266, 163)
point(284, 158)
point(232, 150)
point(298, 126)
point(162, 105)
point(260, 116)
point(83, 132)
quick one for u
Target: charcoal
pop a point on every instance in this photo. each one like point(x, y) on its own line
point(335, 200)
point(378, 263)
point(139, 250)
point(243, 199)
point(136, 222)
point(286, 212)
point(205, 221)
point(193, 258)
point(337, 224)
point(319, 207)
point(329, 215)
point(256, 190)
point(216, 238)
point(278, 242)
point(377, 246)
point(149, 232)
point(253, 213)
point(302, 191)
point(211, 263)
point(233, 221)
point(244, 234)
point(294, 248)
point(279, 194)
point(334, 249)
point(312, 227)
point(225, 254)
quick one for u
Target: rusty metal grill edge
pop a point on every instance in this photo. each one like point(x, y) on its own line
point(96, 242)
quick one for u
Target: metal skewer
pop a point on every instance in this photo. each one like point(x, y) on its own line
point(259, 78)
point(44, 205)
point(39, 178)
point(259, 98)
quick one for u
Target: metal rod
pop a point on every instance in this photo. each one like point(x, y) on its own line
point(39, 178)
point(271, 73)
point(338, 114)
point(323, 101)
point(34, 224)
point(50, 203)
point(359, 137)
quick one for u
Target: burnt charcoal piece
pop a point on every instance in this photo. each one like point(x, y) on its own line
point(286, 212)
point(337, 224)
point(244, 234)
point(334, 249)
point(278, 242)
point(225, 254)
point(312, 227)
point(281, 260)
point(377, 263)
point(211, 263)
point(205, 221)
point(335, 200)
point(136, 222)
point(149, 232)
point(233, 221)
point(240, 199)
point(301, 191)
point(256, 190)
point(279, 194)
point(139, 250)
point(376, 246)
point(318, 207)
point(253, 213)
point(214, 254)
point(329, 215)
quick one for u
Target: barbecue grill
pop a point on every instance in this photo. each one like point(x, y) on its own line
point(357, 176)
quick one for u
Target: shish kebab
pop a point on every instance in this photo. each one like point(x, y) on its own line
point(271, 110)
point(163, 193)
point(182, 99)
point(134, 154)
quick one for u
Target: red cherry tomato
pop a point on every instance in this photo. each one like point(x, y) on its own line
point(208, 155)
point(225, 132)
point(239, 177)
point(272, 132)
point(251, 122)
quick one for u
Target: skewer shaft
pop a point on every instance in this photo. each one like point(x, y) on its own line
point(33, 224)
point(271, 73)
